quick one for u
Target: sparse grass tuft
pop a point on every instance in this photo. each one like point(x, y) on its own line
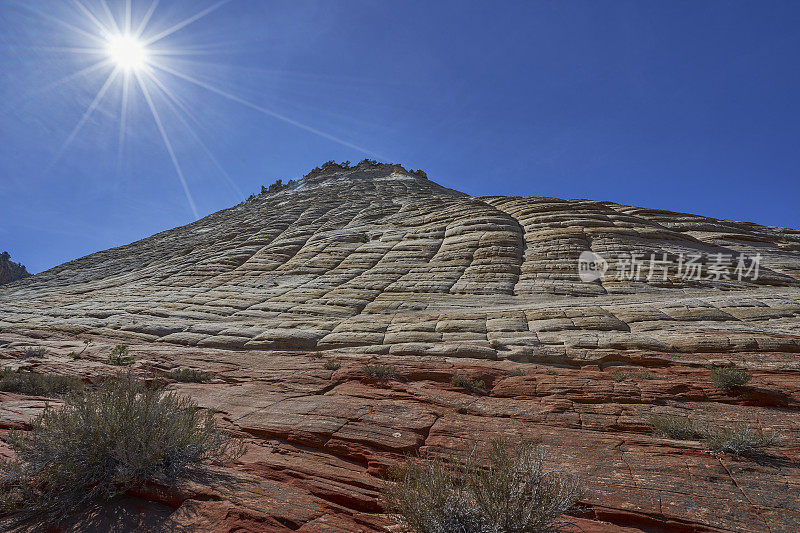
point(106, 441)
point(673, 427)
point(190, 375)
point(621, 375)
point(512, 492)
point(518, 372)
point(330, 364)
point(618, 375)
point(473, 385)
point(120, 356)
point(726, 378)
point(381, 372)
point(740, 440)
point(38, 384)
point(34, 352)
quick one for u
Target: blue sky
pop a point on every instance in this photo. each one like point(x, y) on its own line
point(688, 106)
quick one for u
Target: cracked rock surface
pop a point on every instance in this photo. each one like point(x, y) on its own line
point(377, 265)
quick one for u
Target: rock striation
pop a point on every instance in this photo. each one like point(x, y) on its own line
point(286, 297)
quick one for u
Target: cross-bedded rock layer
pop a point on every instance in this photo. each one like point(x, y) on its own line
point(377, 264)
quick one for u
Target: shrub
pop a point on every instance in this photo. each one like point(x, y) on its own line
point(497, 345)
point(740, 440)
point(726, 378)
point(34, 352)
point(673, 427)
point(472, 385)
point(190, 375)
point(77, 355)
point(381, 372)
point(517, 372)
point(104, 442)
point(38, 384)
point(330, 364)
point(619, 375)
point(120, 356)
point(513, 492)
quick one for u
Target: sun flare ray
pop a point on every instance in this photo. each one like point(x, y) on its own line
point(82, 72)
point(110, 16)
point(167, 144)
point(264, 110)
point(127, 22)
point(60, 22)
point(106, 32)
point(123, 116)
point(88, 113)
point(125, 38)
point(176, 105)
point(146, 19)
point(185, 22)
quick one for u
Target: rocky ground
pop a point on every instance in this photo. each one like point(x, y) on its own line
point(288, 297)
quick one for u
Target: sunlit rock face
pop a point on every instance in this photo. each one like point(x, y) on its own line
point(375, 263)
point(9, 270)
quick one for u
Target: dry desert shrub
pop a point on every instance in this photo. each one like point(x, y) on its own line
point(673, 427)
point(381, 372)
point(726, 378)
point(103, 442)
point(473, 385)
point(190, 375)
point(34, 352)
point(740, 440)
point(330, 364)
point(38, 384)
point(513, 492)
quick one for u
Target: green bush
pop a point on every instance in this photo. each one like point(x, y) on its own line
point(740, 440)
point(120, 356)
point(726, 378)
point(104, 442)
point(673, 427)
point(381, 372)
point(472, 385)
point(189, 375)
point(38, 384)
point(512, 492)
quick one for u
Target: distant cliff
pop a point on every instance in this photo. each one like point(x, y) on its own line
point(10, 271)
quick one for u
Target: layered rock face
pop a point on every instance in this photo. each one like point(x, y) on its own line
point(9, 270)
point(377, 265)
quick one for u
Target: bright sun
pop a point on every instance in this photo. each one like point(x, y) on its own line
point(132, 57)
point(127, 52)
